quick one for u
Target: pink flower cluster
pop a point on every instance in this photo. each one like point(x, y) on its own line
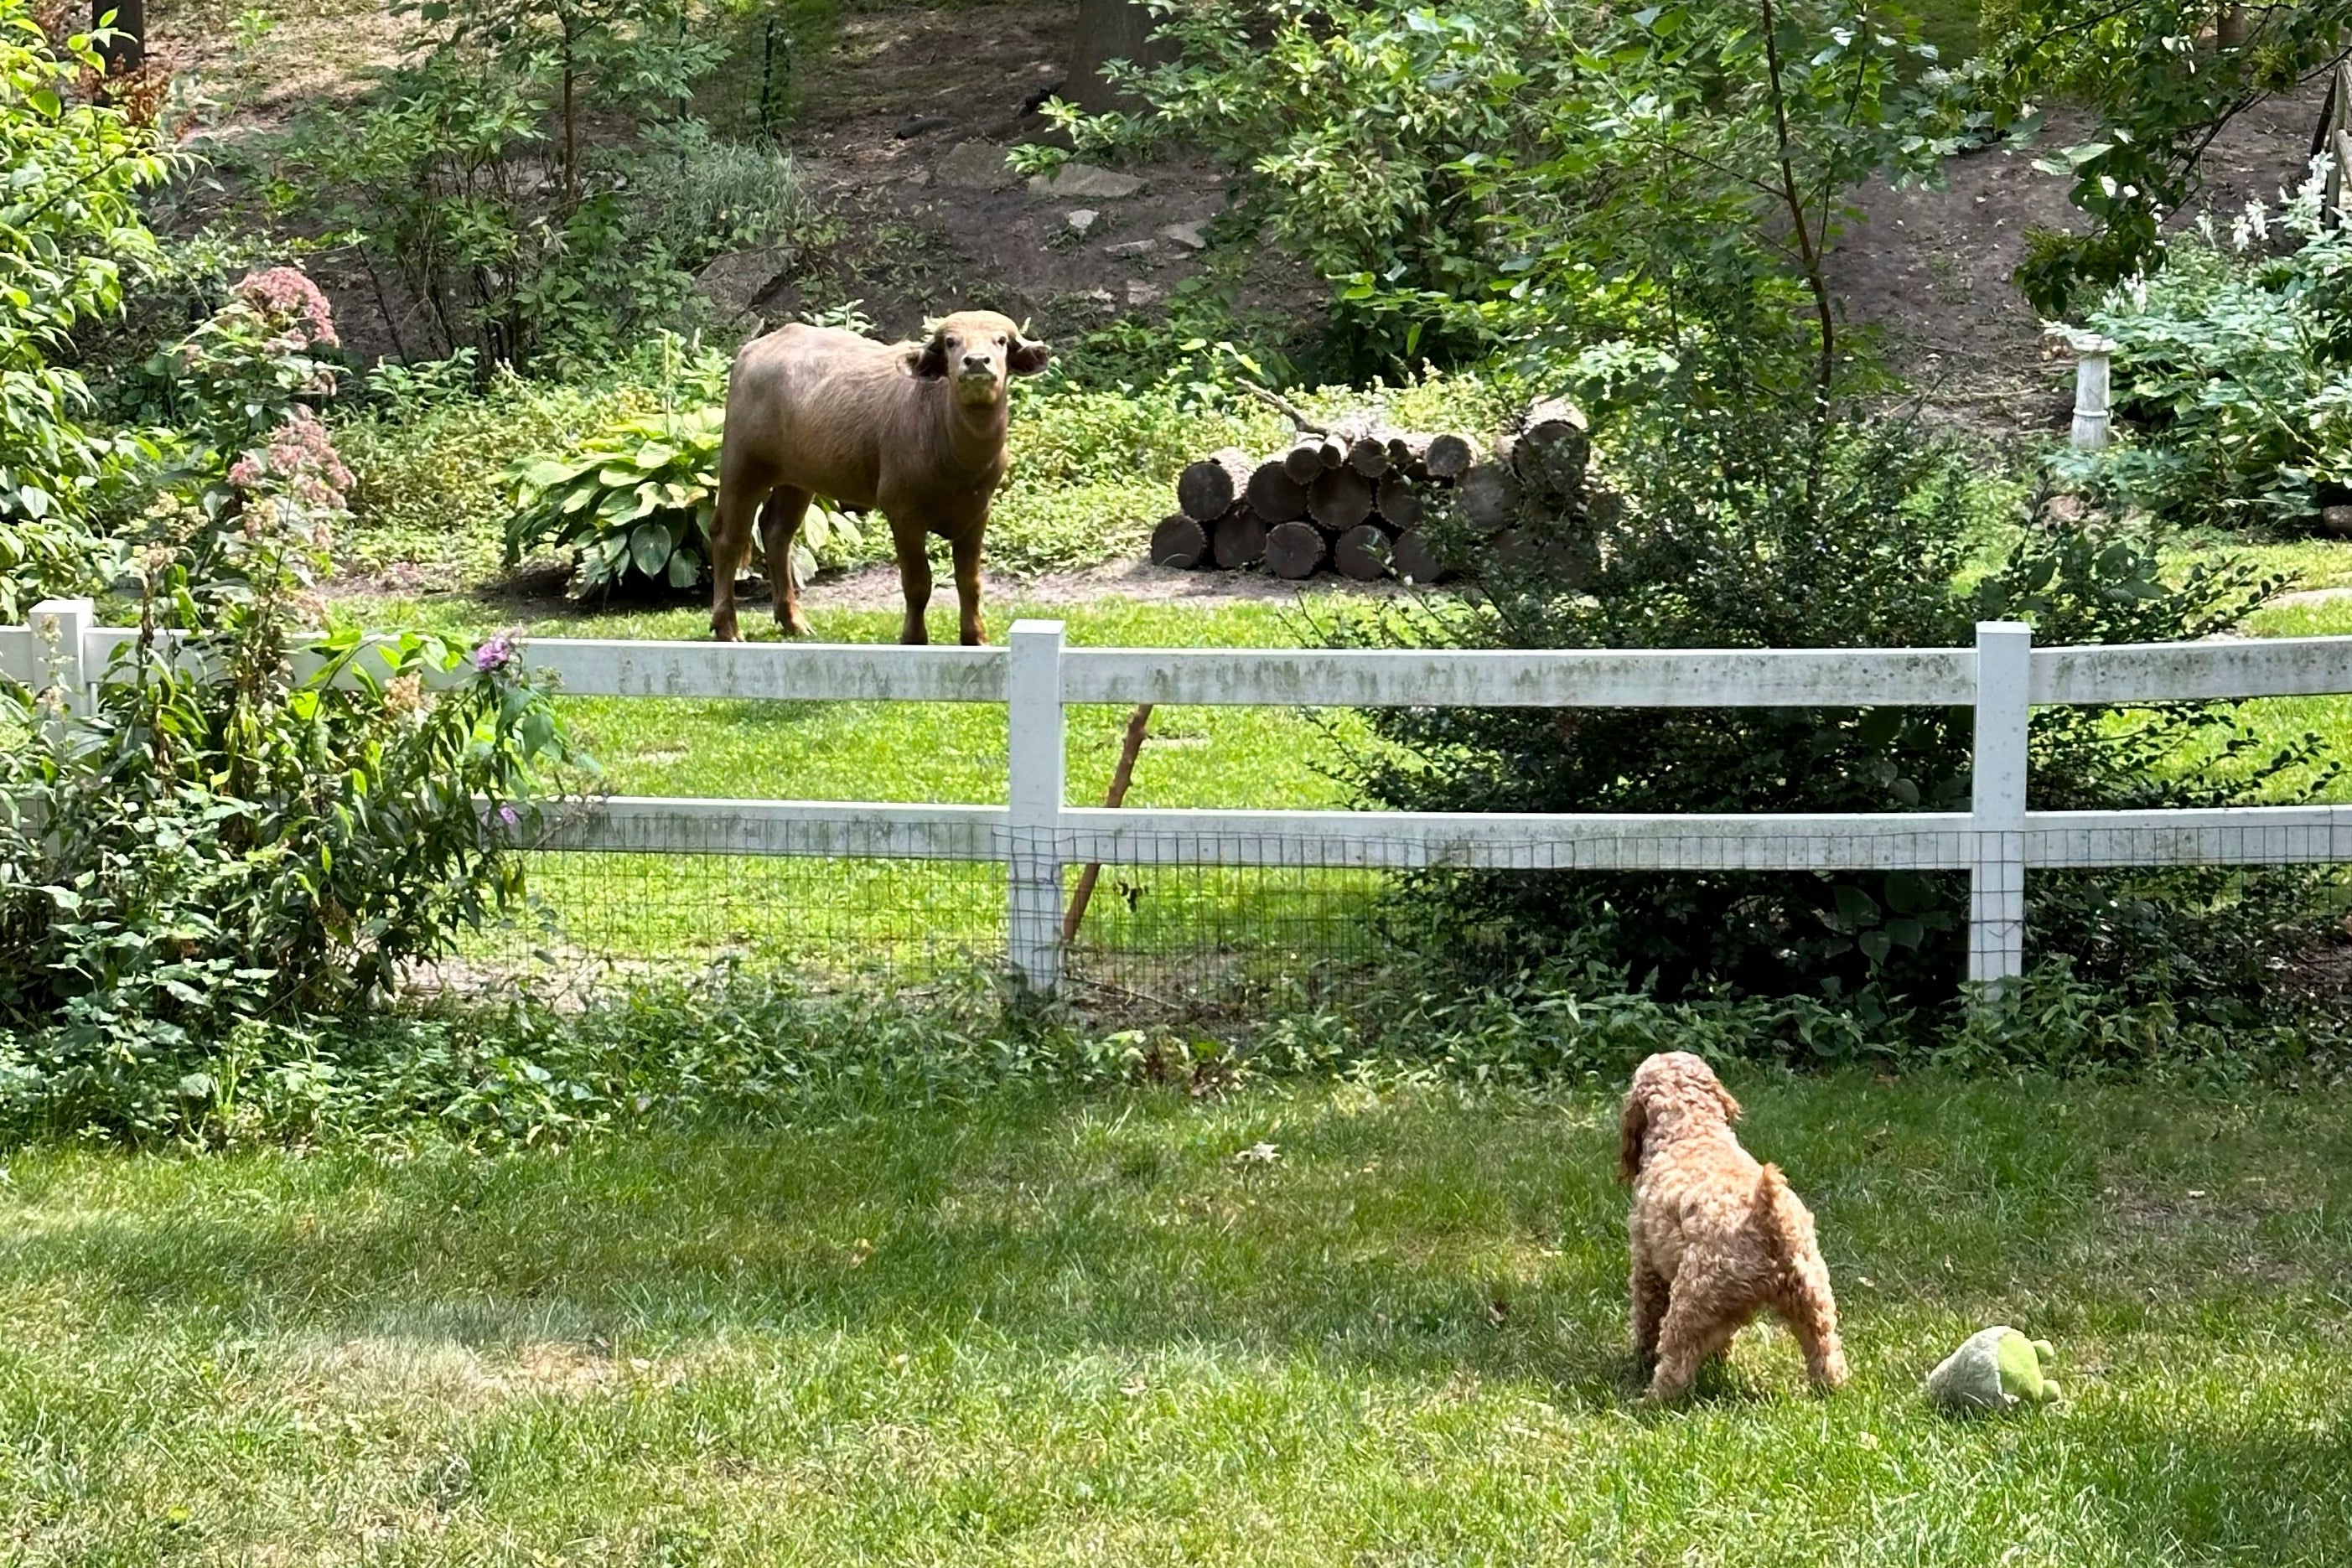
point(496, 654)
point(300, 461)
point(287, 294)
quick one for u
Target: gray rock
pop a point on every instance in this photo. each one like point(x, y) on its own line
point(2336, 521)
point(976, 166)
point(1082, 220)
point(1132, 247)
point(734, 282)
point(1188, 235)
point(1085, 179)
point(1139, 292)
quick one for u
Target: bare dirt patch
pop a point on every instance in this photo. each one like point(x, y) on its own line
point(1930, 270)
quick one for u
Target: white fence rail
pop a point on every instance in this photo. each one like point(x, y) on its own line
point(1037, 832)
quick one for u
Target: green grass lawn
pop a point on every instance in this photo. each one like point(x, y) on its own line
point(1067, 1331)
point(904, 916)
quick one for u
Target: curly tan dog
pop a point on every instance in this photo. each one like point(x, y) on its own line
point(1717, 1237)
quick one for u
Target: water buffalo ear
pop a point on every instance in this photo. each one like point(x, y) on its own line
point(1027, 357)
point(928, 360)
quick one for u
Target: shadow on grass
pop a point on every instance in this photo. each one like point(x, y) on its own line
point(1422, 1241)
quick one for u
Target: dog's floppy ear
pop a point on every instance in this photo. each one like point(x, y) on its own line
point(929, 359)
point(1028, 356)
point(1635, 1122)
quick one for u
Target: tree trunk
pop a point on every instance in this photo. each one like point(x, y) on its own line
point(1369, 456)
point(1111, 30)
point(1179, 542)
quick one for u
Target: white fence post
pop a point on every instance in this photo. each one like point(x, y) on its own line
point(1033, 750)
point(1996, 882)
point(61, 649)
point(2093, 357)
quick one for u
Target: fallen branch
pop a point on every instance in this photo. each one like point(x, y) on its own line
point(1285, 407)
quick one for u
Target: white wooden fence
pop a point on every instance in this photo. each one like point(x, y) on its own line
point(1036, 832)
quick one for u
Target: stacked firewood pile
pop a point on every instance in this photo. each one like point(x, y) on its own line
point(1358, 499)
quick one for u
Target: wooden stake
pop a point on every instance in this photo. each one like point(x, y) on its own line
point(1083, 893)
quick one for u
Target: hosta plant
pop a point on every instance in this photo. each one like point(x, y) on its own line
point(637, 501)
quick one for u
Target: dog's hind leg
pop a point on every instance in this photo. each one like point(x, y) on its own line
point(1699, 1323)
point(1650, 1296)
point(1812, 1315)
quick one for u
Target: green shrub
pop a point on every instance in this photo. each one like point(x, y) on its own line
point(1744, 525)
point(745, 1049)
point(69, 225)
point(637, 501)
point(244, 823)
point(2233, 376)
point(1476, 177)
point(2158, 86)
point(486, 176)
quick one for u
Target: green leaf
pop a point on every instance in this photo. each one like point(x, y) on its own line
point(649, 549)
point(685, 568)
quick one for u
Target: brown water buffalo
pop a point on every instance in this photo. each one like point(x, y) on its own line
point(915, 431)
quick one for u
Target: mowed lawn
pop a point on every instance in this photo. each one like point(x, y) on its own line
point(907, 915)
point(1079, 1331)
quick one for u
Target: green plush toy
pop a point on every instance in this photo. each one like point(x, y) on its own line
point(1997, 1369)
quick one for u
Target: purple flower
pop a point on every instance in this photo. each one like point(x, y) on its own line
point(497, 654)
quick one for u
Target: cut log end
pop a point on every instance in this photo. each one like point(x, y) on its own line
point(1293, 550)
point(1275, 496)
point(1240, 539)
point(1416, 560)
point(1399, 500)
point(1489, 498)
point(1448, 456)
point(1180, 542)
point(1362, 553)
point(1207, 490)
point(1340, 499)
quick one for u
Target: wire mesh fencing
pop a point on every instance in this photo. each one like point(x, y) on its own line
point(1189, 920)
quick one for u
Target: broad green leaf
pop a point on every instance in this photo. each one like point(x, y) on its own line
point(649, 547)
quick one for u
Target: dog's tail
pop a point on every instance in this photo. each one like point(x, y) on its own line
point(1784, 1214)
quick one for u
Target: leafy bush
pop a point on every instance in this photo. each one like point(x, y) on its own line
point(637, 499)
point(245, 823)
point(2233, 375)
point(471, 179)
point(1744, 525)
point(1501, 171)
point(69, 224)
point(2161, 79)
